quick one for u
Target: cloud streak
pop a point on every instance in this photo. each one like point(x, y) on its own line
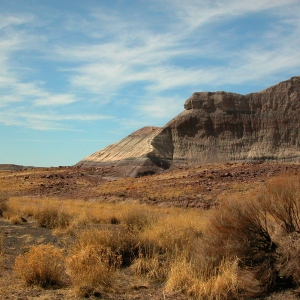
point(197, 46)
point(43, 121)
point(111, 66)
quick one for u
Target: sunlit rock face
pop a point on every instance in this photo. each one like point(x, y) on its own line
point(145, 151)
point(214, 127)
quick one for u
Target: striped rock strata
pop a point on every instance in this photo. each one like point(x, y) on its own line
point(214, 127)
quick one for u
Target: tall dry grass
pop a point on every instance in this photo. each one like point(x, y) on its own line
point(52, 217)
point(94, 260)
point(168, 238)
point(92, 267)
point(220, 283)
point(281, 199)
point(42, 265)
point(245, 248)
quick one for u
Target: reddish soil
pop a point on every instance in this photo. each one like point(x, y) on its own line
point(205, 183)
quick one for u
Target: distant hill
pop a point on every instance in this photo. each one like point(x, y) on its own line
point(12, 167)
point(214, 127)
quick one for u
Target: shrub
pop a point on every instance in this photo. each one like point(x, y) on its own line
point(239, 229)
point(52, 217)
point(281, 199)
point(258, 280)
point(288, 259)
point(92, 268)
point(42, 265)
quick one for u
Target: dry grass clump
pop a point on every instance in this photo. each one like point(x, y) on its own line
point(53, 217)
point(137, 219)
point(152, 266)
point(161, 244)
point(220, 283)
point(119, 241)
point(16, 220)
point(42, 265)
point(93, 261)
point(92, 268)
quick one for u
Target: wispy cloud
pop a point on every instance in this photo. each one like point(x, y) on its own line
point(160, 107)
point(197, 44)
point(43, 121)
point(110, 66)
point(8, 20)
point(22, 99)
point(195, 14)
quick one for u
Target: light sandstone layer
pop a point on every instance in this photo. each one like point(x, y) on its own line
point(145, 151)
point(214, 127)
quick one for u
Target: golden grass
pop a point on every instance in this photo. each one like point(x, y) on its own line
point(170, 237)
point(97, 212)
point(221, 283)
point(205, 254)
point(16, 220)
point(53, 217)
point(92, 267)
point(42, 265)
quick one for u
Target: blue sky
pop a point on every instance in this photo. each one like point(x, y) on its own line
point(76, 76)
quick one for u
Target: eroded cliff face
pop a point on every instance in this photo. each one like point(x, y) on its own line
point(216, 127)
point(225, 126)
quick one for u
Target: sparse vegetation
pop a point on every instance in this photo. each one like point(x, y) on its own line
point(246, 247)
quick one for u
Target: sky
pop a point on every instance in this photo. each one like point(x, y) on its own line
point(78, 75)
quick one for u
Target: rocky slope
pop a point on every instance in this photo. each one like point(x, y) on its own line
point(214, 127)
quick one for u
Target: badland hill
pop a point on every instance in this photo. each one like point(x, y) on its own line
point(214, 127)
